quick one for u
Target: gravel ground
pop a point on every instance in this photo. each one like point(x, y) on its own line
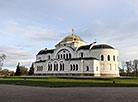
point(14, 93)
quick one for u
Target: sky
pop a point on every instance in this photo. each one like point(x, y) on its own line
point(27, 26)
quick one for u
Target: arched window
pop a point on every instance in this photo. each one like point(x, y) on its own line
point(48, 56)
point(51, 67)
point(41, 68)
point(63, 66)
point(113, 58)
point(48, 67)
point(60, 67)
point(69, 56)
point(108, 57)
point(76, 67)
point(37, 68)
point(66, 56)
point(97, 68)
point(82, 54)
point(61, 56)
point(56, 67)
point(102, 57)
point(58, 56)
point(70, 67)
point(87, 68)
point(73, 67)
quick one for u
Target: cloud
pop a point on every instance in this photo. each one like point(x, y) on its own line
point(30, 32)
point(28, 25)
point(134, 5)
point(40, 34)
point(121, 35)
point(23, 42)
point(15, 55)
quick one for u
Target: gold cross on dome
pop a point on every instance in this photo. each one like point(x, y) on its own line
point(72, 31)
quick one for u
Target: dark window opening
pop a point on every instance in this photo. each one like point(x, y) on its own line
point(96, 68)
point(69, 56)
point(49, 67)
point(63, 67)
point(82, 55)
point(54, 67)
point(113, 58)
point(48, 56)
point(64, 56)
point(87, 68)
point(60, 67)
point(61, 56)
point(70, 67)
point(108, 57)
point(73, 67)
point(102, 57)
point(76, 67)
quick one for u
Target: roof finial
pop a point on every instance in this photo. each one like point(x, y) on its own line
point(95, 40)
point(72, 31)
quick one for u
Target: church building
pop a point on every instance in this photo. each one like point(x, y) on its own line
point(73, 57)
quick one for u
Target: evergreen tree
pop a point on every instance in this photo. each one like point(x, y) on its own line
point(31, 71)
point(18, 72)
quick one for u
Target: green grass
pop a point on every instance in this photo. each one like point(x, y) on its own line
point(70, 81)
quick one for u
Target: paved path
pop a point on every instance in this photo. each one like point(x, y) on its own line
point(13, 93)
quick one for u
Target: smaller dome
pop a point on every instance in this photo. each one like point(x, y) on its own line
point(45, 51)
point(102, 46)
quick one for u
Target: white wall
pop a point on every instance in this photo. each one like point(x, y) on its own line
point(109, 66)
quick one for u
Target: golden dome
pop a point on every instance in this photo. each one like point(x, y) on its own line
point(72, 38)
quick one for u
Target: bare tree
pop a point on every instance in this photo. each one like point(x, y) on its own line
point(135, 63)
point(129, 67)
point(2, 57)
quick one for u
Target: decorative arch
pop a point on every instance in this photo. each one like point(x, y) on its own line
point(49, 66)
point(55, 66)
point(62, 66)
point(81, 53)
point(65, 48)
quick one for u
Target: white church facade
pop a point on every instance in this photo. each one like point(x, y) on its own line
point(73, 57)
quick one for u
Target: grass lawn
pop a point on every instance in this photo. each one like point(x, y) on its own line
point(70, 81)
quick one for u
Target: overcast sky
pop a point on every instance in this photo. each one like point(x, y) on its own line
point(27, 26)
